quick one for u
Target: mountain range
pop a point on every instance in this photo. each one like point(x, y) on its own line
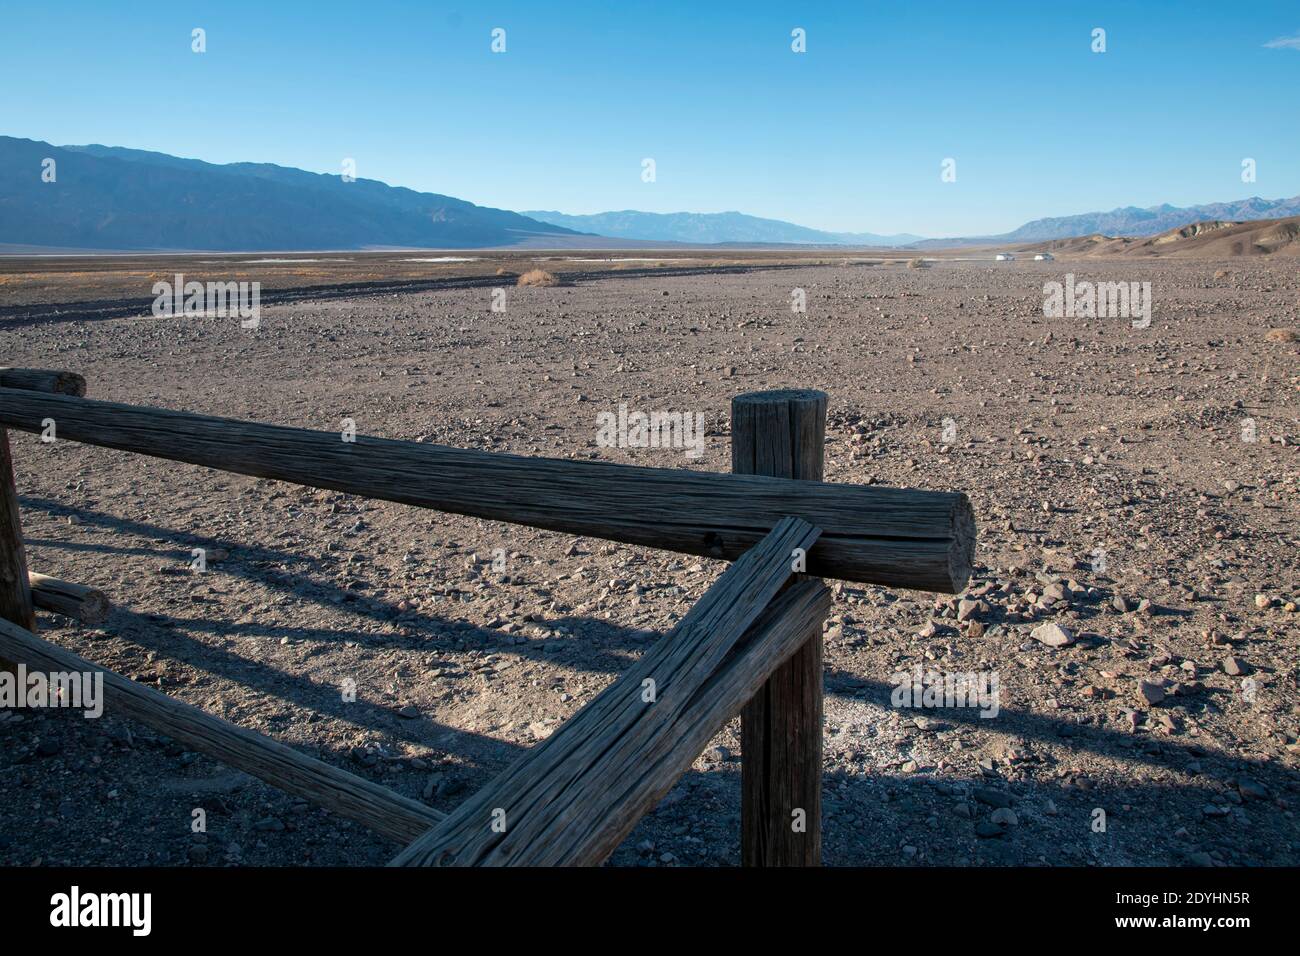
point(109, 198)
point(106, 198)
point(1132, 221)
point(711, 228)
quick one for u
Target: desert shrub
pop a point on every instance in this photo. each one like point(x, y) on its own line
point(917, 264)
point(1282, 335)
point(538, 277)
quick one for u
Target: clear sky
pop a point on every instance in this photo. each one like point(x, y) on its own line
point(848, 136)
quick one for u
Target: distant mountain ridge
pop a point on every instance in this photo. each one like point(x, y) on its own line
point(1132, 221)
point(709, 228)
point(110, 198)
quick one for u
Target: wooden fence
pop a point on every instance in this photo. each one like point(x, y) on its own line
point(752, 644)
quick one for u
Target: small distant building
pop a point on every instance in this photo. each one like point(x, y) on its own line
point(1044, 257)
point(1005, 257)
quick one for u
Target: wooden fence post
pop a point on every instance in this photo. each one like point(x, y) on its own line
point(15, 591)
point(781, 434)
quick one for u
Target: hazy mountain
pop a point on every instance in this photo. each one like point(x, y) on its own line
point(706, 228)
point(1134, 222)
point(117, 199)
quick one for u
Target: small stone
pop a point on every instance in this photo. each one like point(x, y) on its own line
point(1262, 601)
point(1052, 634)
point(410, 711)
point(909, 766)
point(268, 825)
point(1119, 603)
point(1252, 789)
point(198, 854)
point(1151, 692)
point(992, 798)
point(1235, 666)
point(48, 748)
point(985, 830)
point(1004, 817)
point(967, 609)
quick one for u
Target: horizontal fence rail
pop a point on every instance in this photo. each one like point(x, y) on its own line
point(572, 799)
point(889, 536)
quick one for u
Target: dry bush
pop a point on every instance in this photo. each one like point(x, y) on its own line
point(538, 277)
point(917, 264)
point(502, 271)
point(1282, 335)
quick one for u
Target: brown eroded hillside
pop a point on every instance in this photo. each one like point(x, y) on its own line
point(1213, 239)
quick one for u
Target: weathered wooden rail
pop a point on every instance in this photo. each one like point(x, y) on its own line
point(890, 536)
point(750, 645)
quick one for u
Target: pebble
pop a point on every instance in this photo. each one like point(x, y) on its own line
point(993, 798)
point(1052, 634)
point(1252, 789)
point(1004, 816)
point(1151, 692)
point(1235, 666)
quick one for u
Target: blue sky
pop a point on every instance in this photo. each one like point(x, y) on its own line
point(847, 136)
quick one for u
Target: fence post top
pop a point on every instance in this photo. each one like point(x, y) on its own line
point(778, 395)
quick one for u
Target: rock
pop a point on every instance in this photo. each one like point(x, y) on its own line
point(985, 830)
point(1119, 603)
point(1262, 601)
point(1252, 789)
point(268, 825)
point(410, 712)
point(993, 798)
point(1004, 817)
point(198, 854)
point(1235, 666)
point(909, 766)
point(48, 748)
point(1052, 634)
point(1151, 692)
point(967, 609)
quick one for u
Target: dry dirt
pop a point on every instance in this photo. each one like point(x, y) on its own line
point(1104, 462)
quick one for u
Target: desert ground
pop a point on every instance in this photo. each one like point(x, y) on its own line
point(1139, 487)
